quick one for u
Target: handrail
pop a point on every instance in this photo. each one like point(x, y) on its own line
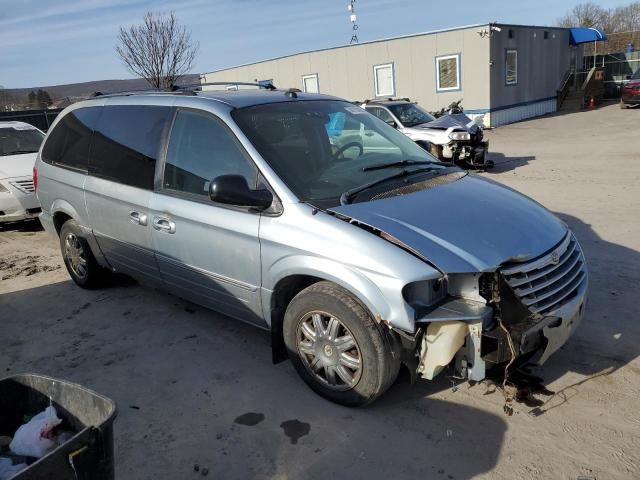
point(565, 82)
point(588, 78)
point(563, 91)
point(593, 86)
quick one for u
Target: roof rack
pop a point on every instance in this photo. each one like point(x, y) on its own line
point(189, 89)
point(195, 86)
point(143, 92)
point(379, 100)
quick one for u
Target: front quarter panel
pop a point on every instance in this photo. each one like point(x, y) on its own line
point(374, 270)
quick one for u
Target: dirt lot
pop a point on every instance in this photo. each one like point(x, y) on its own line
point(182, 375)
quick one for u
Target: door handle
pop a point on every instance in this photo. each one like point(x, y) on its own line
point(164, 225)
point(138, 218)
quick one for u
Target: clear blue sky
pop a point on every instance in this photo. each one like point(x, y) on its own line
point(50, 42)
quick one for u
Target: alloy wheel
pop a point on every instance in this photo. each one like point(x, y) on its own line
point(74, 254)
point(329, 350)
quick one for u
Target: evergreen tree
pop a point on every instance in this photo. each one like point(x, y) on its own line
point(43, 99)
point(33, 99)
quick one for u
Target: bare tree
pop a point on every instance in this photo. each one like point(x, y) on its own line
point(625, 18)
point(586, 14)
point(159, 49)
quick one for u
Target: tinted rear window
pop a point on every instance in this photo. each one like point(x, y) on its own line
point(68, 143)
point(128, 142)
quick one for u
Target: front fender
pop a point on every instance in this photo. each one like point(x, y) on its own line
point(362, 287)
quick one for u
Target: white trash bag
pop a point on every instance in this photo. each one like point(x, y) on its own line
point(36, 438)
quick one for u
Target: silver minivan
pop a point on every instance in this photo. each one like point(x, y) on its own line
point(305, 215)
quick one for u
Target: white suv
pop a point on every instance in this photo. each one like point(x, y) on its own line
point(19, 145)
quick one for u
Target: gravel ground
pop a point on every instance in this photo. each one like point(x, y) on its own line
point(194, 387)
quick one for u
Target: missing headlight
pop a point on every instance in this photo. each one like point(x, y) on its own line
point(425, 292)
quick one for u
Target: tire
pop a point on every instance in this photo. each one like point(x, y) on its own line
point(77, 256)
point(363, 369)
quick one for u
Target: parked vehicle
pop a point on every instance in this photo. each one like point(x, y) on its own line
point(452, 137)
point(357, 258)
point(631, 91)
point(19, 144)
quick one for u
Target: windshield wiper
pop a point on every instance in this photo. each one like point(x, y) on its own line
point(18, 152)
point(401, 163)
point(346, 197)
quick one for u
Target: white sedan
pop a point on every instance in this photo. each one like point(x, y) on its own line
point(19, 145)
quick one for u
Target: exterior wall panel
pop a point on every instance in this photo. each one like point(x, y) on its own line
point(347, 72)
point(542, 64)
point(523, 112)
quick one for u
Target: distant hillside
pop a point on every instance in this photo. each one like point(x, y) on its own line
point(86, 89)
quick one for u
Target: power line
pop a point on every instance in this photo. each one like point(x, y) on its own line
point(353, 17)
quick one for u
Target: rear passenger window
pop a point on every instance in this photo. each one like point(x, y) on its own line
point(200, 149)
point(68, 143)
point(127, 143)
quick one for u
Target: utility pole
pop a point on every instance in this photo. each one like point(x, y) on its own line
point(353, 17)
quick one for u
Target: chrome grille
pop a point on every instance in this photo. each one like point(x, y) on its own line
point(548, 282)
point(25, 186)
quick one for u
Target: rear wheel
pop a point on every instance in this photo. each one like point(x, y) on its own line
point(336, 347)
point(77, 256)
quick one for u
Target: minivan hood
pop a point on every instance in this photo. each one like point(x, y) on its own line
point(17, 165)
point(469, 225)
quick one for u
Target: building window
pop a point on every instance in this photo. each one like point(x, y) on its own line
point(310, 83)
point(448, 73)
point(511, 33)
point(384, 79)
point(546, 35)
point(511, 67)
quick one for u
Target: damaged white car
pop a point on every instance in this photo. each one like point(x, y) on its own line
point(452, 137)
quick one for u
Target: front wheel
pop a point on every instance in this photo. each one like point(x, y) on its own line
point(336, 347)
point(77, 256)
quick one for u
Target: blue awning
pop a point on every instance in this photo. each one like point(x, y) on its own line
point(585, 35)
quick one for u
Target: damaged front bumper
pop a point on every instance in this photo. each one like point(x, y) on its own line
point(530, 321)
point(469, 153)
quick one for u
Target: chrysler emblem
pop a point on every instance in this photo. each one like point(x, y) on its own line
point(555, 258)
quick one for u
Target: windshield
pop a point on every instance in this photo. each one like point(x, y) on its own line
point(15, 141)
point(322, 149)
point(410, 114)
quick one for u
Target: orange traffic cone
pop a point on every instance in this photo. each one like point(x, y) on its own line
point(592, 103)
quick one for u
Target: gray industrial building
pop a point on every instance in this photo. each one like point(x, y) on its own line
point(504, 73)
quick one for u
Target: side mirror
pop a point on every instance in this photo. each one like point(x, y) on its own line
point(234, 190)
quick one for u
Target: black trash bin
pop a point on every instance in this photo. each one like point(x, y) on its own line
point(89, 453)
